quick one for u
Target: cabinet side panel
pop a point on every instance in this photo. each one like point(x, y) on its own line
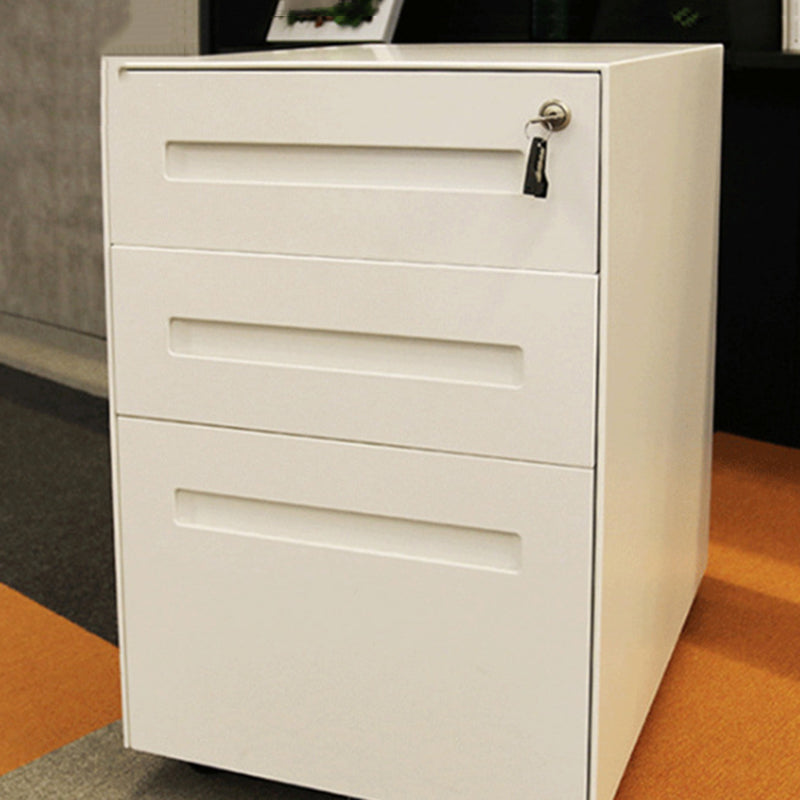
point(661, 135)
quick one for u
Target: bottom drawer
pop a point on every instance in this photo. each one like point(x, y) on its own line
point(378, 622)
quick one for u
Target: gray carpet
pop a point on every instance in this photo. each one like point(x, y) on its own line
point(56, 538)
point(97, 767)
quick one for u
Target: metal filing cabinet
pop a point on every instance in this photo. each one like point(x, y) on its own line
point(411, 466)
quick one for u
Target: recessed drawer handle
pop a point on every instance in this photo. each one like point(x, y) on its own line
point(353, 531)
point(450, 361)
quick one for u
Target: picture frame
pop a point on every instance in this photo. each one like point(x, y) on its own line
point(334, 21)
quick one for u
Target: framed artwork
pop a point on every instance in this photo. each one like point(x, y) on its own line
point(338, 21)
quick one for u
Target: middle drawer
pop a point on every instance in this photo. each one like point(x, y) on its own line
point(484, 361)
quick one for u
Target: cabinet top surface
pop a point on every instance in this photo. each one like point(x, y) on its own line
point(523, 57)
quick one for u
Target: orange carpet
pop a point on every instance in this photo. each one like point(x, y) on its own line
point(726, 722)
point(58, 682)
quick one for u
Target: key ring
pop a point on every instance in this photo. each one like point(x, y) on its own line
point(545, 123)
point(554, 115)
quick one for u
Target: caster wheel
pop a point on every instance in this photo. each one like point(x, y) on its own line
point(204, 769)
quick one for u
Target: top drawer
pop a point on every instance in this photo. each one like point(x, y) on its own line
point(423, 167)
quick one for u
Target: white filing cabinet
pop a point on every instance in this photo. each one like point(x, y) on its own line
point(411, 468)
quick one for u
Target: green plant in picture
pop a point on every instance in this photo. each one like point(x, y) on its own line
point(686, 17)
point(350, 13)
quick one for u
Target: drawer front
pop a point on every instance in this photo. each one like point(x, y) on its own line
point(490, 362)
point(413, 166)
point(372, 621)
